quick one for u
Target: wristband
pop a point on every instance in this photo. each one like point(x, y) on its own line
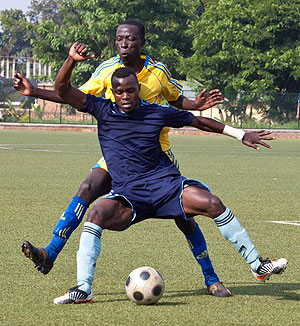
point(233, 132)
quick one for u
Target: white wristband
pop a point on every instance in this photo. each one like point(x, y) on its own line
point(233, 132)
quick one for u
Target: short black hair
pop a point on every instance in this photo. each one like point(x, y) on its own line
point(122, 72)
point(135, 22)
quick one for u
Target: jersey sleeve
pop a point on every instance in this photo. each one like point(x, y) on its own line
point(176, 118)
point(171, 88)
point(95, 106)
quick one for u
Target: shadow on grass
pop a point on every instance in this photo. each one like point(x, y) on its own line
point(96, 295)
point(281, 291)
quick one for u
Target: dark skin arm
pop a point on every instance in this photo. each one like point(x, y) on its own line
point(250, 139)
point(24, 87)
point(298, 112)
point(71, 95)
point(204, 100)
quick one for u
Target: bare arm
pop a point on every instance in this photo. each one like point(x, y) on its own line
point(24, 87)
point(250, 139)
point(204, 100)
point(298, 112)
point(71, 95)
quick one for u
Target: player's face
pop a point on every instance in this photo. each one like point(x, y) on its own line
point(129, 43)
point(127, 93)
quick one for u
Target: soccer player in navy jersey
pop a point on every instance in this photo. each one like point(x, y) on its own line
point(156, 83)
point(145, 183)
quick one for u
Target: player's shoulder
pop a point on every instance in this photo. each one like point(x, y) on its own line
point(98, 100)
point(106, 66)
point(155, 106)
point(158, 67)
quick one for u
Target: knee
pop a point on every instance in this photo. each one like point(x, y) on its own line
point(96, 216)
point(216, 206)
point(85, 190)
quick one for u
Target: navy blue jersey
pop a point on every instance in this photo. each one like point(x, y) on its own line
point(130, 141)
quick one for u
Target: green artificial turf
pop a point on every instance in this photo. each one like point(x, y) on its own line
point(41, 172)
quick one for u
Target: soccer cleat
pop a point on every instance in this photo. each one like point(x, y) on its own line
point(39, 256)
point(217, 289)
point(74, 295)
point(269, 267)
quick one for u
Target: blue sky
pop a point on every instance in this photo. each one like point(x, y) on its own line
point(15, 4)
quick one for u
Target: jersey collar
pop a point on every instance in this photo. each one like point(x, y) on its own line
point(142, 56)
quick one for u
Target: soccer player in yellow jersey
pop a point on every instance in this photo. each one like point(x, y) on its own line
point(156, 83)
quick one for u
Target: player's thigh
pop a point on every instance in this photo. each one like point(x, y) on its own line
point(111, 214)
point(197, 201)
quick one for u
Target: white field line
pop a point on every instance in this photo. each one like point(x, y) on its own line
point(297, 223)
point(46, 150)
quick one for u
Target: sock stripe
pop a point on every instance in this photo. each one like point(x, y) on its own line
point(92, 231)
point(227, 219)
point(79, 210)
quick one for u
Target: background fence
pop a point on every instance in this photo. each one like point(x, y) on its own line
point(247, 110)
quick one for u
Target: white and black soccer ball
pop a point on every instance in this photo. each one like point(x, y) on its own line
point(145, 285)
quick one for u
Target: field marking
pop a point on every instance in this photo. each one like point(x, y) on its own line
point(46, 150)
point(297, 223)
point(47, 144)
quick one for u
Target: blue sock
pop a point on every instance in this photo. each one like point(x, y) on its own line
point(198, 246)
point(68, 222)
point(89, 251)
point(231, 229)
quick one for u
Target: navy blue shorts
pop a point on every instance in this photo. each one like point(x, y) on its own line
point(157, 199)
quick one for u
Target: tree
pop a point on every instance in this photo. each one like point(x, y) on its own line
point(250, 47)
point(94, 22)
point(44, 10)
point(14, 37)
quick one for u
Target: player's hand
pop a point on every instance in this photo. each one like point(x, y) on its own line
point(253, 138)
point(79, 52)
point(205, 100)
point(22, 85)
point(297, 117)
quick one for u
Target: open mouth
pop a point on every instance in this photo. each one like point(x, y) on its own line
point(125, 55)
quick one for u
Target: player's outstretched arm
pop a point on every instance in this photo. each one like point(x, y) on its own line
point(204, 100)
point(250, 139)
point(62, 86)
point(24, 87)
point(298, 112)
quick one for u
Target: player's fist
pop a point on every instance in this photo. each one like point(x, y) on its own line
point(79, 52)
point(22, 85)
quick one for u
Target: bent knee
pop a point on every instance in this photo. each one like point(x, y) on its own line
point(216, 206)
point(84, 189)
point(96, 216)
point(110, 217)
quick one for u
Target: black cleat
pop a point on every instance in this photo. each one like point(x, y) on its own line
point(39, 256)
point(218, 290)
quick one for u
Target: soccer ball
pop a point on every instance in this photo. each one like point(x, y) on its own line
point(145, 285)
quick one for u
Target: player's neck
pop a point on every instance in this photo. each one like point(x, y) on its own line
point(136, 66)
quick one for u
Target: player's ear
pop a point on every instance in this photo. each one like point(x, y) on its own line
point(143, 42)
